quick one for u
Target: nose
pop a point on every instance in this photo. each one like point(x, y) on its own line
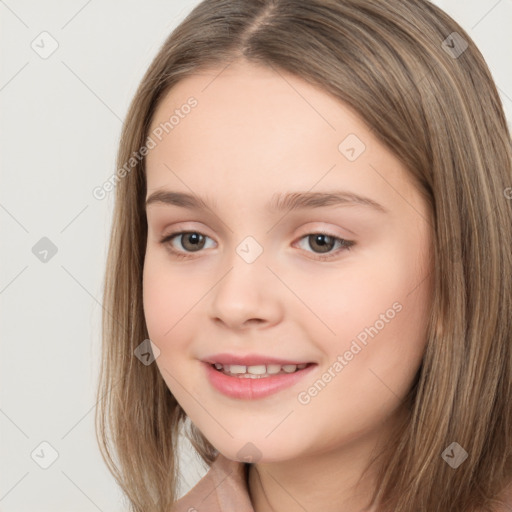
point(248, 294)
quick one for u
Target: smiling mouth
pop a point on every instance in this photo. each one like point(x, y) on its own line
point(253, 382)
point(258, 371)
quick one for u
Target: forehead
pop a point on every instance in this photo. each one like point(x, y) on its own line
point(234, 95)
point(257, 129)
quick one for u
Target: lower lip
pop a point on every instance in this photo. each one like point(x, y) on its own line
point(245, 388)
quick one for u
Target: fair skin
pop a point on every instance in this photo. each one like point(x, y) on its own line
point(255, 133)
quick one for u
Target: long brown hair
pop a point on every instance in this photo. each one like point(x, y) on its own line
point(428, 95)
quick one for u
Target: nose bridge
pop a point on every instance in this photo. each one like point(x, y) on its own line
point(245, 291)
point(242, 282)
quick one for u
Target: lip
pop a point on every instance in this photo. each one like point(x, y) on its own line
point(244, 388)
point(249, 360)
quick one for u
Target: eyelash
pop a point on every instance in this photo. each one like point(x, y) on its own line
point(346, 245)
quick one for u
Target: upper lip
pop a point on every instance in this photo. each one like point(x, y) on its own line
point(249, 360)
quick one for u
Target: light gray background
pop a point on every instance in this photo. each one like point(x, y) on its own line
point(60, 125)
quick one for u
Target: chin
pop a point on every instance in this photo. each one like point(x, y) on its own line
point(245, 450)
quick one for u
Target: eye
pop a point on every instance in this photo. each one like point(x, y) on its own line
point(325, 242)
point(193, 241)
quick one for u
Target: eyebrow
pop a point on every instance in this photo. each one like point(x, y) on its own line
point(279, 202)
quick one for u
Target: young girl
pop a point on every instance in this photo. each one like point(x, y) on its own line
point(310, 267)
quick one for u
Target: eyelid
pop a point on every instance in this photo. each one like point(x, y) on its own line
point(319, 227)
point(308, 230)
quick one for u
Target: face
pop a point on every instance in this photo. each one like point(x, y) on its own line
point(341, 285)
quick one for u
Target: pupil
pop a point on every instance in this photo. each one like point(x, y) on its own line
point(320, 240)
point(194, 239)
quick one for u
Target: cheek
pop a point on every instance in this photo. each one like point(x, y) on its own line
point(344, 302)
point(168, 295)
point(165, 302)
point(159, 299)
point(376, 316)
point(368, 370)
point(172, 302)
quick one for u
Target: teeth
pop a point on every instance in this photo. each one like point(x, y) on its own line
point(236, 368)
point(257, 371)
point(273, 368)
